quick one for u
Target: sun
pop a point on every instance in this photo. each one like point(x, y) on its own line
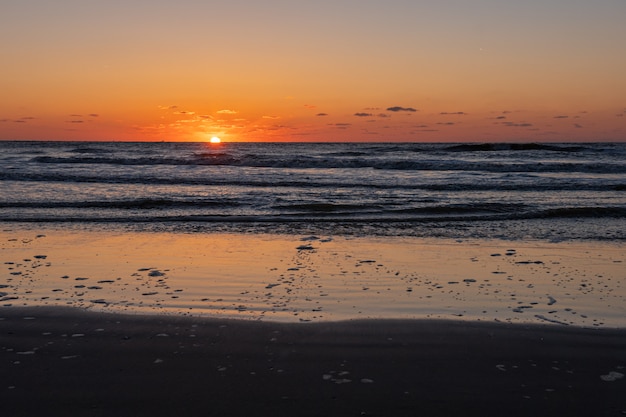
point(215, 139)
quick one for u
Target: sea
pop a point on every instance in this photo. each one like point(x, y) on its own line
point(511, 191)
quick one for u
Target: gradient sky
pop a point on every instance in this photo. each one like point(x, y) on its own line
point(290, 70)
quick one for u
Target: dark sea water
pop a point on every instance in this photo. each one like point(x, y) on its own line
point(504, 191)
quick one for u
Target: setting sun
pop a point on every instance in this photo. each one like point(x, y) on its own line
point(215, 139)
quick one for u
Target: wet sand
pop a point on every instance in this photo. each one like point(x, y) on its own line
point(139, 324)
point(311, 278)
point(59, 362)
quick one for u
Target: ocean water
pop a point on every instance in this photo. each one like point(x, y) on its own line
point(553, 192)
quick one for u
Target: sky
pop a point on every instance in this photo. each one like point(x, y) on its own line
point(293, 70)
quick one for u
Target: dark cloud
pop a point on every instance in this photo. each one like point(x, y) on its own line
point(25, 119)
point(322, 114)
point(500, 117)
point(506, 112)
point(561, 117)
point(457, 113)
point(363, 114)
point(382, 115)
point(577, 126)
point(511, 124)
point(76, 115)
point(398, 108)
point(446, 123)
point(94, 115)
point(75, 121)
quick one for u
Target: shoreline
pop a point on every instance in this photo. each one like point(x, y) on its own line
point(332, 326)
point(289, 278)
point(62, 360)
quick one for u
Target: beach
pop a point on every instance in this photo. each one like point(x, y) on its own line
point(59, 361)
point(101, 322)
point(308, 208)
point(333, 279)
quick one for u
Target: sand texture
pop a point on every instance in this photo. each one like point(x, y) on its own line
point(59, 362)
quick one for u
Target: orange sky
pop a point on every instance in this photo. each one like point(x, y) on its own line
point(340, 70)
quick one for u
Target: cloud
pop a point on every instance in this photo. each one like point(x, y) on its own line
point(500, 117)
point(363, 114)
point(93, 115)
point(561, 117)
point(382, 115)
point(25, 119)
point(322, 114)
point(577, 126)
point(341, 125)
point(271, 117)
point(76, 115)
point(226, 111)
point(456, 113)
point(310, 106)
point(511, 124)
point(74, 121)
point(168, 107)
point(446, 123)
point(398, 109)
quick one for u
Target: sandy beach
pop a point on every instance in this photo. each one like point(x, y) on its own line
point(70, 362)
point(118, 323)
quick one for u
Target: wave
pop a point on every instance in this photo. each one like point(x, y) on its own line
point(304, 162)
point(144, 204)
point(158, 209)
point(478, 208)
point(310, 183)
point(328, 207)
point(583, 212)
point(493, 147)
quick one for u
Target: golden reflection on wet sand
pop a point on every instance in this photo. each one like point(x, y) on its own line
point(307, 278)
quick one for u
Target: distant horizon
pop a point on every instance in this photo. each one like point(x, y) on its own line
point(207, 142)
point(325, 71)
